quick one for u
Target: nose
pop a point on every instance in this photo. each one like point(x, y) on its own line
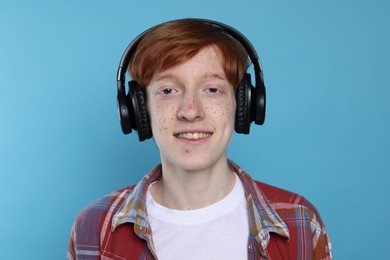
point(191, 108)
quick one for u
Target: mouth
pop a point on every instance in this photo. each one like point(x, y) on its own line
point(193, 135)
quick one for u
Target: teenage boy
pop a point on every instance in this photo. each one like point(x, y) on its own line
point(197, 204)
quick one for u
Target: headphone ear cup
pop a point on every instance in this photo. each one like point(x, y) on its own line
point(123, 109)
point(140, 114)
point(259, 102)
point(243, 109)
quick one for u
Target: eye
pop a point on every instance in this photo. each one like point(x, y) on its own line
point(167, 91)
point(213, 90)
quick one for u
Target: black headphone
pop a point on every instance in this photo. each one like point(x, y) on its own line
point(250, 100)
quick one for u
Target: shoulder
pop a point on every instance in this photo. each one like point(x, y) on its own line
point(93, 222)
point(89, 220)
point(301, 217)
point(279, 197)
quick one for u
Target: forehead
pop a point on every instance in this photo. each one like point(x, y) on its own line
point(206, 63)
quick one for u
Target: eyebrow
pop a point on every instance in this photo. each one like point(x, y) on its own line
point(163, 76)
point(215, 75)
point(168, 76)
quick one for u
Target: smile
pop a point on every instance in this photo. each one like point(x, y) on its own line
point(193, 136)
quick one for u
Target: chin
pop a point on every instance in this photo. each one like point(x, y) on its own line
point(196, 162)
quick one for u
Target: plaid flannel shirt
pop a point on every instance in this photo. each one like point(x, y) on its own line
point(283, 225)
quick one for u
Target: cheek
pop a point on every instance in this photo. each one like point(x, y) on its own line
point(162, 117)
point(230, 109)
point(223, 110)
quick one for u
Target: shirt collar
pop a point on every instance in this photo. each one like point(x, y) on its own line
point(263, 219)
point(133, 208)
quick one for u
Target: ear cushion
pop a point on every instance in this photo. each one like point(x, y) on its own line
point(140, 115)
point(243, 109)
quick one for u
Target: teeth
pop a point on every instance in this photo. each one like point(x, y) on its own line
point(193, 135)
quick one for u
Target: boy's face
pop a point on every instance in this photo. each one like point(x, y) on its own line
point(192, 108)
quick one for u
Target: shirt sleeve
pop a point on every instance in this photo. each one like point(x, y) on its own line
point(322, 244)
point(71, 253)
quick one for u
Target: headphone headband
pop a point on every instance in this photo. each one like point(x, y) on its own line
point(238, 36)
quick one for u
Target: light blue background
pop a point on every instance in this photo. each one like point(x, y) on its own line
point(326, 136)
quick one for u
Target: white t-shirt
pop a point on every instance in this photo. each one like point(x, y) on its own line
point(218, 231)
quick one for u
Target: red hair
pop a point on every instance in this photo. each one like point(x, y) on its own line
point(175, 42)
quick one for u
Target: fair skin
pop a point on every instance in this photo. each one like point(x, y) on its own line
point(191, 108)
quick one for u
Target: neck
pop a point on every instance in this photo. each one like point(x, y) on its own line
point(192, 189)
